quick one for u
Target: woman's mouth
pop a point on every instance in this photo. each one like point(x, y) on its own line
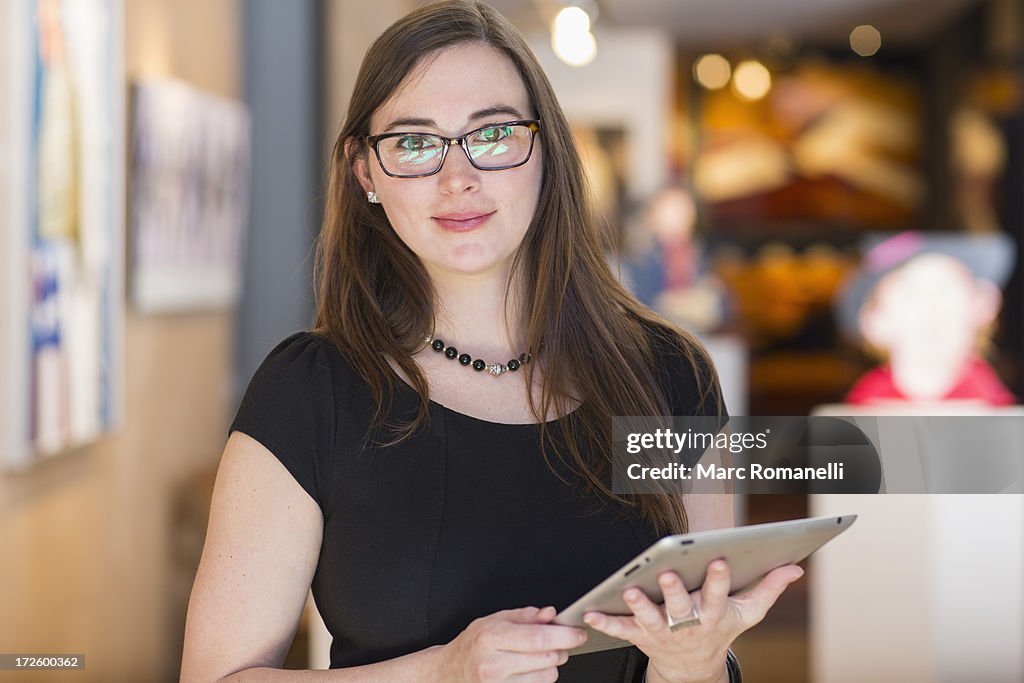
point(462, 221)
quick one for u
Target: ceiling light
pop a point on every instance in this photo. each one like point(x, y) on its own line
point(572, 20)
point(571, 38)
point(712, 71)
point(575, 48)
point(865, 40)
point(751, 80)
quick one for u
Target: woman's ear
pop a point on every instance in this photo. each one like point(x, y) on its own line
point(357, 156)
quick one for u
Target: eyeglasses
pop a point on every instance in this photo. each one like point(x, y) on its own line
point(495, 147)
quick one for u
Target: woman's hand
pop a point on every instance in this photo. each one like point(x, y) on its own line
point(517, 645)
point(697, 652)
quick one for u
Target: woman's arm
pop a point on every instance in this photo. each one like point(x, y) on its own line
point(261, 552)
point(712, 509)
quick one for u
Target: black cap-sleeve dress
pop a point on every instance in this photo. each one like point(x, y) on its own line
point(464, 519)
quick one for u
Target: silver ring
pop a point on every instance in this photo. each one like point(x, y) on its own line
point(675, 624)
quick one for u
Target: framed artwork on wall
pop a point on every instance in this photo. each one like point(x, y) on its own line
point(62, 182)
point(189, 197)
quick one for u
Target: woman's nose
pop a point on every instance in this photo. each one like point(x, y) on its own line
point(457, 174)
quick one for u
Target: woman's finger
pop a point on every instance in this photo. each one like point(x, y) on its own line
point(514, 666)
point(533, 638)
point(646, 613)
point(529, 615)
point(545, 676)
point(714, 594)
point(678, 602)
point(624, 628)
point(536, 661)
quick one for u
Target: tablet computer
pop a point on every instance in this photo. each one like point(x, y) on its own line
point(751, 551)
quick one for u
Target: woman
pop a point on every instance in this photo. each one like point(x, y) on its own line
point(441, 512)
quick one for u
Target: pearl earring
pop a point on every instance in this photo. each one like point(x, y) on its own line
point(372, 198)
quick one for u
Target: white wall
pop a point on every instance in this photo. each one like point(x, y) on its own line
point(976, 557)
point(628, 85)
point(921, 589)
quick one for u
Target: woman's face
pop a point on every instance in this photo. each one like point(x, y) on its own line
point(460, 220)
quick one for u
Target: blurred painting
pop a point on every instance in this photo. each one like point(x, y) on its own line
point(828, 144)
point(65, 185)
point(189, 197)
point(990, 96)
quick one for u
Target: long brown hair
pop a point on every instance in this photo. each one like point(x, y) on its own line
point(375, 300)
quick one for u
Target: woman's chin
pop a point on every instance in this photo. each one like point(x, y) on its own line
point(472, 265)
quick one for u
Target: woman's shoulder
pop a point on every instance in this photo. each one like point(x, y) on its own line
point(685, 370)
point(293, 407)
point(306, 363)
point(308, 347)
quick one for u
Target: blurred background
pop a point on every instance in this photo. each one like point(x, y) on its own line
point(161, 186)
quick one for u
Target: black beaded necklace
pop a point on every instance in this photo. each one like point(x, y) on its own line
point(451, 353)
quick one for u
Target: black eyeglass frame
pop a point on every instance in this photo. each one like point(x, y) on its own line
point(532, 124)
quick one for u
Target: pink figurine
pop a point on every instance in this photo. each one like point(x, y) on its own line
point(927, 304)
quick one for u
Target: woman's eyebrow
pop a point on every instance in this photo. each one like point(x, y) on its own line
point(397, 123)
point(493, 111)
point(475, 116)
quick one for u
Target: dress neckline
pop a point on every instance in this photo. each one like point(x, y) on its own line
point(407, 387)
point(491, 423)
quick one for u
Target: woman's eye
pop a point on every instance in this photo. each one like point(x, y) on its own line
point(494, 134)
point(413, 143)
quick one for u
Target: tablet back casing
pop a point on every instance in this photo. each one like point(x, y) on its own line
point(751, 551)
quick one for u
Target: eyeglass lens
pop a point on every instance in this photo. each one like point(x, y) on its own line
point(489, 148)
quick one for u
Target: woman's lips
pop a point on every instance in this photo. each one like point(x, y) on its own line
point(462, 222)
